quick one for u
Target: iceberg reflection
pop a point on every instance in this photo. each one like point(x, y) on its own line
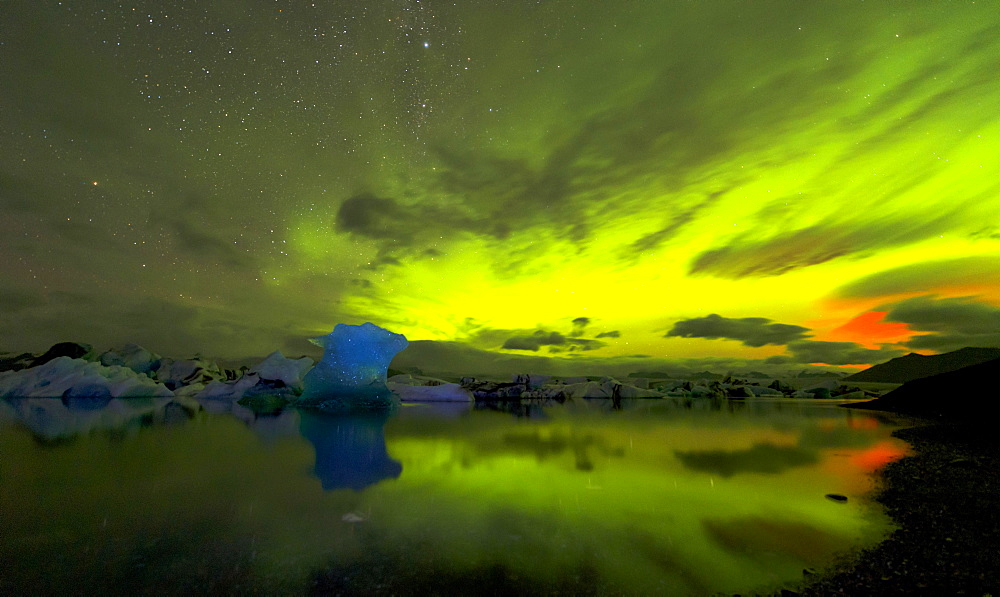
point(350, 449)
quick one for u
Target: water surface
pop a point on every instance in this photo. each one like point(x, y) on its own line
point(675, 496)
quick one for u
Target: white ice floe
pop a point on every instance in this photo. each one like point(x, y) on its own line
point(77, 378)
point(278, 367)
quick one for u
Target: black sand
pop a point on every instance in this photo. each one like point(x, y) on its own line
point(945, 498)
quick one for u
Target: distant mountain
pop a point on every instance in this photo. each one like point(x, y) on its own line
point(959, 394)
point(914, 366)
point(706, 375)
point(650, 374)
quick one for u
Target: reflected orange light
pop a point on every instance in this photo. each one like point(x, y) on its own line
point(828, 425)
point(877, 456)
point(862, 423)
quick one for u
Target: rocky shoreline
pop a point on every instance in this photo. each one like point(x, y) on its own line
point(945, 499)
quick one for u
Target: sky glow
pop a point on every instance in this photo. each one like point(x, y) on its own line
point(575, 182)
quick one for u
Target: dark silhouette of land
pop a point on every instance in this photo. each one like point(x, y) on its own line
point(963, 394)
point(914, 366)
point(944, 496)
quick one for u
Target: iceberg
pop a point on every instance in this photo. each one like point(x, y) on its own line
point(134, 357)
point(445, 392)
point(76, 378)
point(352, 373)
point(228, 390)
point(178, 374)
point(277, 376)
point(279, 368)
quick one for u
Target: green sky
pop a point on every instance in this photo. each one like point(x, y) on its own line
point(563, 185)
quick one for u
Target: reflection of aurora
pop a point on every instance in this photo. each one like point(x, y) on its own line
point(541, 498)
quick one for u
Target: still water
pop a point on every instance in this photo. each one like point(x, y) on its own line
point(662, 496)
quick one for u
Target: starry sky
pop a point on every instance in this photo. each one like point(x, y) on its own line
point(514, 185)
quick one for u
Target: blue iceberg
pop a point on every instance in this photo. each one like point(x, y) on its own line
point(352, 373)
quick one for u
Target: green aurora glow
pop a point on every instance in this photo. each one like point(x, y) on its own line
point(566, 179)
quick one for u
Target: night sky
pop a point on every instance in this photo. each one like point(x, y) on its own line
point(549, 184)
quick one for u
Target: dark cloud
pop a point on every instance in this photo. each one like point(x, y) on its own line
point(952, 323)
point(459, 358)
point(839, 353)
point(189, 221)
point(611, 334)
point(194, 240)
point(401, 229)
point(751, 331)
point(747, 255)
point(374, 217)
point(580, 326)
point(528, 339)
point(761, 458)
point(542, 338)
point(925, 276)
point(674, 224)
point(535, 341)
point(987, 232)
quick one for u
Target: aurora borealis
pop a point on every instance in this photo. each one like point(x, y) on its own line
point(572, 185)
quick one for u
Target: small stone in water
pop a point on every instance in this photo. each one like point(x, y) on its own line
point(836, 497)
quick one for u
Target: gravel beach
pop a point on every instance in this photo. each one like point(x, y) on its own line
point(945, 498)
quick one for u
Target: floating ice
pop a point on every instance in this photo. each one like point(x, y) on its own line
point(445, 392)
point(182, 374)
point(229, 390)
point(76, 378)
point(352, 373)
point(279, 368)
point(276, 377)
point(134, 357)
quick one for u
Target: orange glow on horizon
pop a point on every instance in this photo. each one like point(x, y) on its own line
point(870, 330)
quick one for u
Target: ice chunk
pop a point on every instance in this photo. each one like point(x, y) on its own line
point(762, 391)
point(446, 392)
point(352, 373)
point(77, 378)
point(178, 374)
point(608, 387)
point(134, 357)
point(278, 368)
point(232, 390)
point(532, 382)
point(274, 377)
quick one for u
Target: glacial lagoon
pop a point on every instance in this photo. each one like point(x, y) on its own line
point(672, 496)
